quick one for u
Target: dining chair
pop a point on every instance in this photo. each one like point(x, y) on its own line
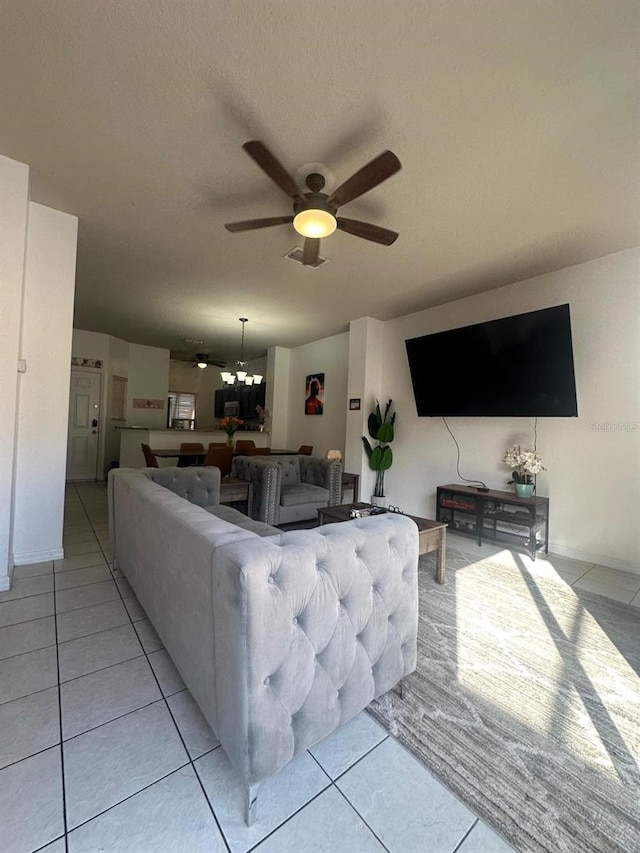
point(184, 462)
point(243, 443)
point(149, 456)
point(220, 457)
point(305, 449)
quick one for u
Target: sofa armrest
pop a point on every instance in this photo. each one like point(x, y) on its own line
point(323, 472)
point(310, 626)
point(265, 477)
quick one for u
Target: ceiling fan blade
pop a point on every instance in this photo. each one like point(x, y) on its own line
point(367, 231)
point(251, 224)
point(310, 251)
point(365, 179)
point(273, 167)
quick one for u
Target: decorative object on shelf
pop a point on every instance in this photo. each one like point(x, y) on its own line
point(380, 456)
point(263, 414)
point(241, 376)
point(230, 425)
point(76, 361)
point(314, 394)
point(525, 464)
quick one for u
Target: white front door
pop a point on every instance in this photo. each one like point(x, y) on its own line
point(84, 418)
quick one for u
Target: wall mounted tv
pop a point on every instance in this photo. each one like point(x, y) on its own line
point(519, 366)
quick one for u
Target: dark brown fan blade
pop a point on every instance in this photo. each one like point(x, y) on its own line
point(365, 179)
point(273, 167)
point(251, 224)
point(367, 231)
point(310, 251)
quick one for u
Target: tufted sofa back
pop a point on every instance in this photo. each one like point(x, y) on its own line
point(200, 486)
point(289, 469)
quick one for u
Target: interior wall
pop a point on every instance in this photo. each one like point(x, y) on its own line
point(149, 380)
point(327, 431)
point(592, 460)
point(14, 201)
point(43, 398)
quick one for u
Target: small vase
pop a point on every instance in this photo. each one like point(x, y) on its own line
point(261, 427)
point(230, 441)
point(378, 500)
point(524, 490)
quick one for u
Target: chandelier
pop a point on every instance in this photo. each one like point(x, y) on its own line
point(241, 376)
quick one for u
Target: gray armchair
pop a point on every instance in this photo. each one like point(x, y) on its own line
point(289, 488)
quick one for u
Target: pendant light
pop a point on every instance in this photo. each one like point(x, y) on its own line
point(241, 376)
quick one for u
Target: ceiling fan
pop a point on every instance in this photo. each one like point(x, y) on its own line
point(199, 359)
point(314, 212)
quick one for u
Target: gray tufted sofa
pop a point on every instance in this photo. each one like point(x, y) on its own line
point(280, 637)
point(290, 488)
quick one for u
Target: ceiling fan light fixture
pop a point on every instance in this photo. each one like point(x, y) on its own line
point(201, 364)
point(315, 222)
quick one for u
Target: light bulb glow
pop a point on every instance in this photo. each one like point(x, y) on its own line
point(248, 380)
point(315, 223)
point(241, 374)
point(257, 378)
point(202, 365)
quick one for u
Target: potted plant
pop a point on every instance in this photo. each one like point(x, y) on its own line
point(380, 456)
point(230, 425)
point(524, 464)
point(263, 414)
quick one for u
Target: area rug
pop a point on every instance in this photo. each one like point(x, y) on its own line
point(526, 704)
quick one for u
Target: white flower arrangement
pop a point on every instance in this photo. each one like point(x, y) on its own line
point(523, 463)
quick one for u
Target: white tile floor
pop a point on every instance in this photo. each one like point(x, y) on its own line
point(103, 749)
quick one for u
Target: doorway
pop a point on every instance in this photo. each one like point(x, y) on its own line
point(84, 420)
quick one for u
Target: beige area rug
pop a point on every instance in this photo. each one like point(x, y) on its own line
point(526, 704)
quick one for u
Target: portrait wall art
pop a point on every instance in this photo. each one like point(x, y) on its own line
point(314, 394)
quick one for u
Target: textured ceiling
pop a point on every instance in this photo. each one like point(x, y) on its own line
point(516, 122)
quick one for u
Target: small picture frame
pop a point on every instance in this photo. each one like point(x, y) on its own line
point(354, 404)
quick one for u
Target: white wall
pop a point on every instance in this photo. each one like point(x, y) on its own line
point(148, 379)
point(327, 431)
point(593, 461)
point(43, 397)
point(14, 199)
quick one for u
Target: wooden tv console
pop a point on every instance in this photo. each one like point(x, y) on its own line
point(495, 516)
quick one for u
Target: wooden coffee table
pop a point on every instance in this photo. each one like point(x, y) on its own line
point(432, 535)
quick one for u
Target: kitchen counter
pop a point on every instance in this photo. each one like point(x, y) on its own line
point(131, 439)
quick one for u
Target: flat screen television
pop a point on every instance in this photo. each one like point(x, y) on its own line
point(520, 366)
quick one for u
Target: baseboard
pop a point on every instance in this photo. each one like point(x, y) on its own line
point(598, 559)
point(5, 583)
point(38, 557)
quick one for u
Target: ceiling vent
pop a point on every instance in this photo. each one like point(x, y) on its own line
point(296, 255)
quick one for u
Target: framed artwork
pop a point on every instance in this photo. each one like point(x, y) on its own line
point(354, 404)
point(314, 394)
point(141, 403)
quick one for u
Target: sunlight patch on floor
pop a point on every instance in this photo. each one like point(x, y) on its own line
point(516, 667)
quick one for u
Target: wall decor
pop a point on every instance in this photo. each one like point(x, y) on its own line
point(140, 403)
point(314, 394)
point(354, 404)
point(76, 361)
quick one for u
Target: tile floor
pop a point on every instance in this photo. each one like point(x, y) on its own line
point(103, 749)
